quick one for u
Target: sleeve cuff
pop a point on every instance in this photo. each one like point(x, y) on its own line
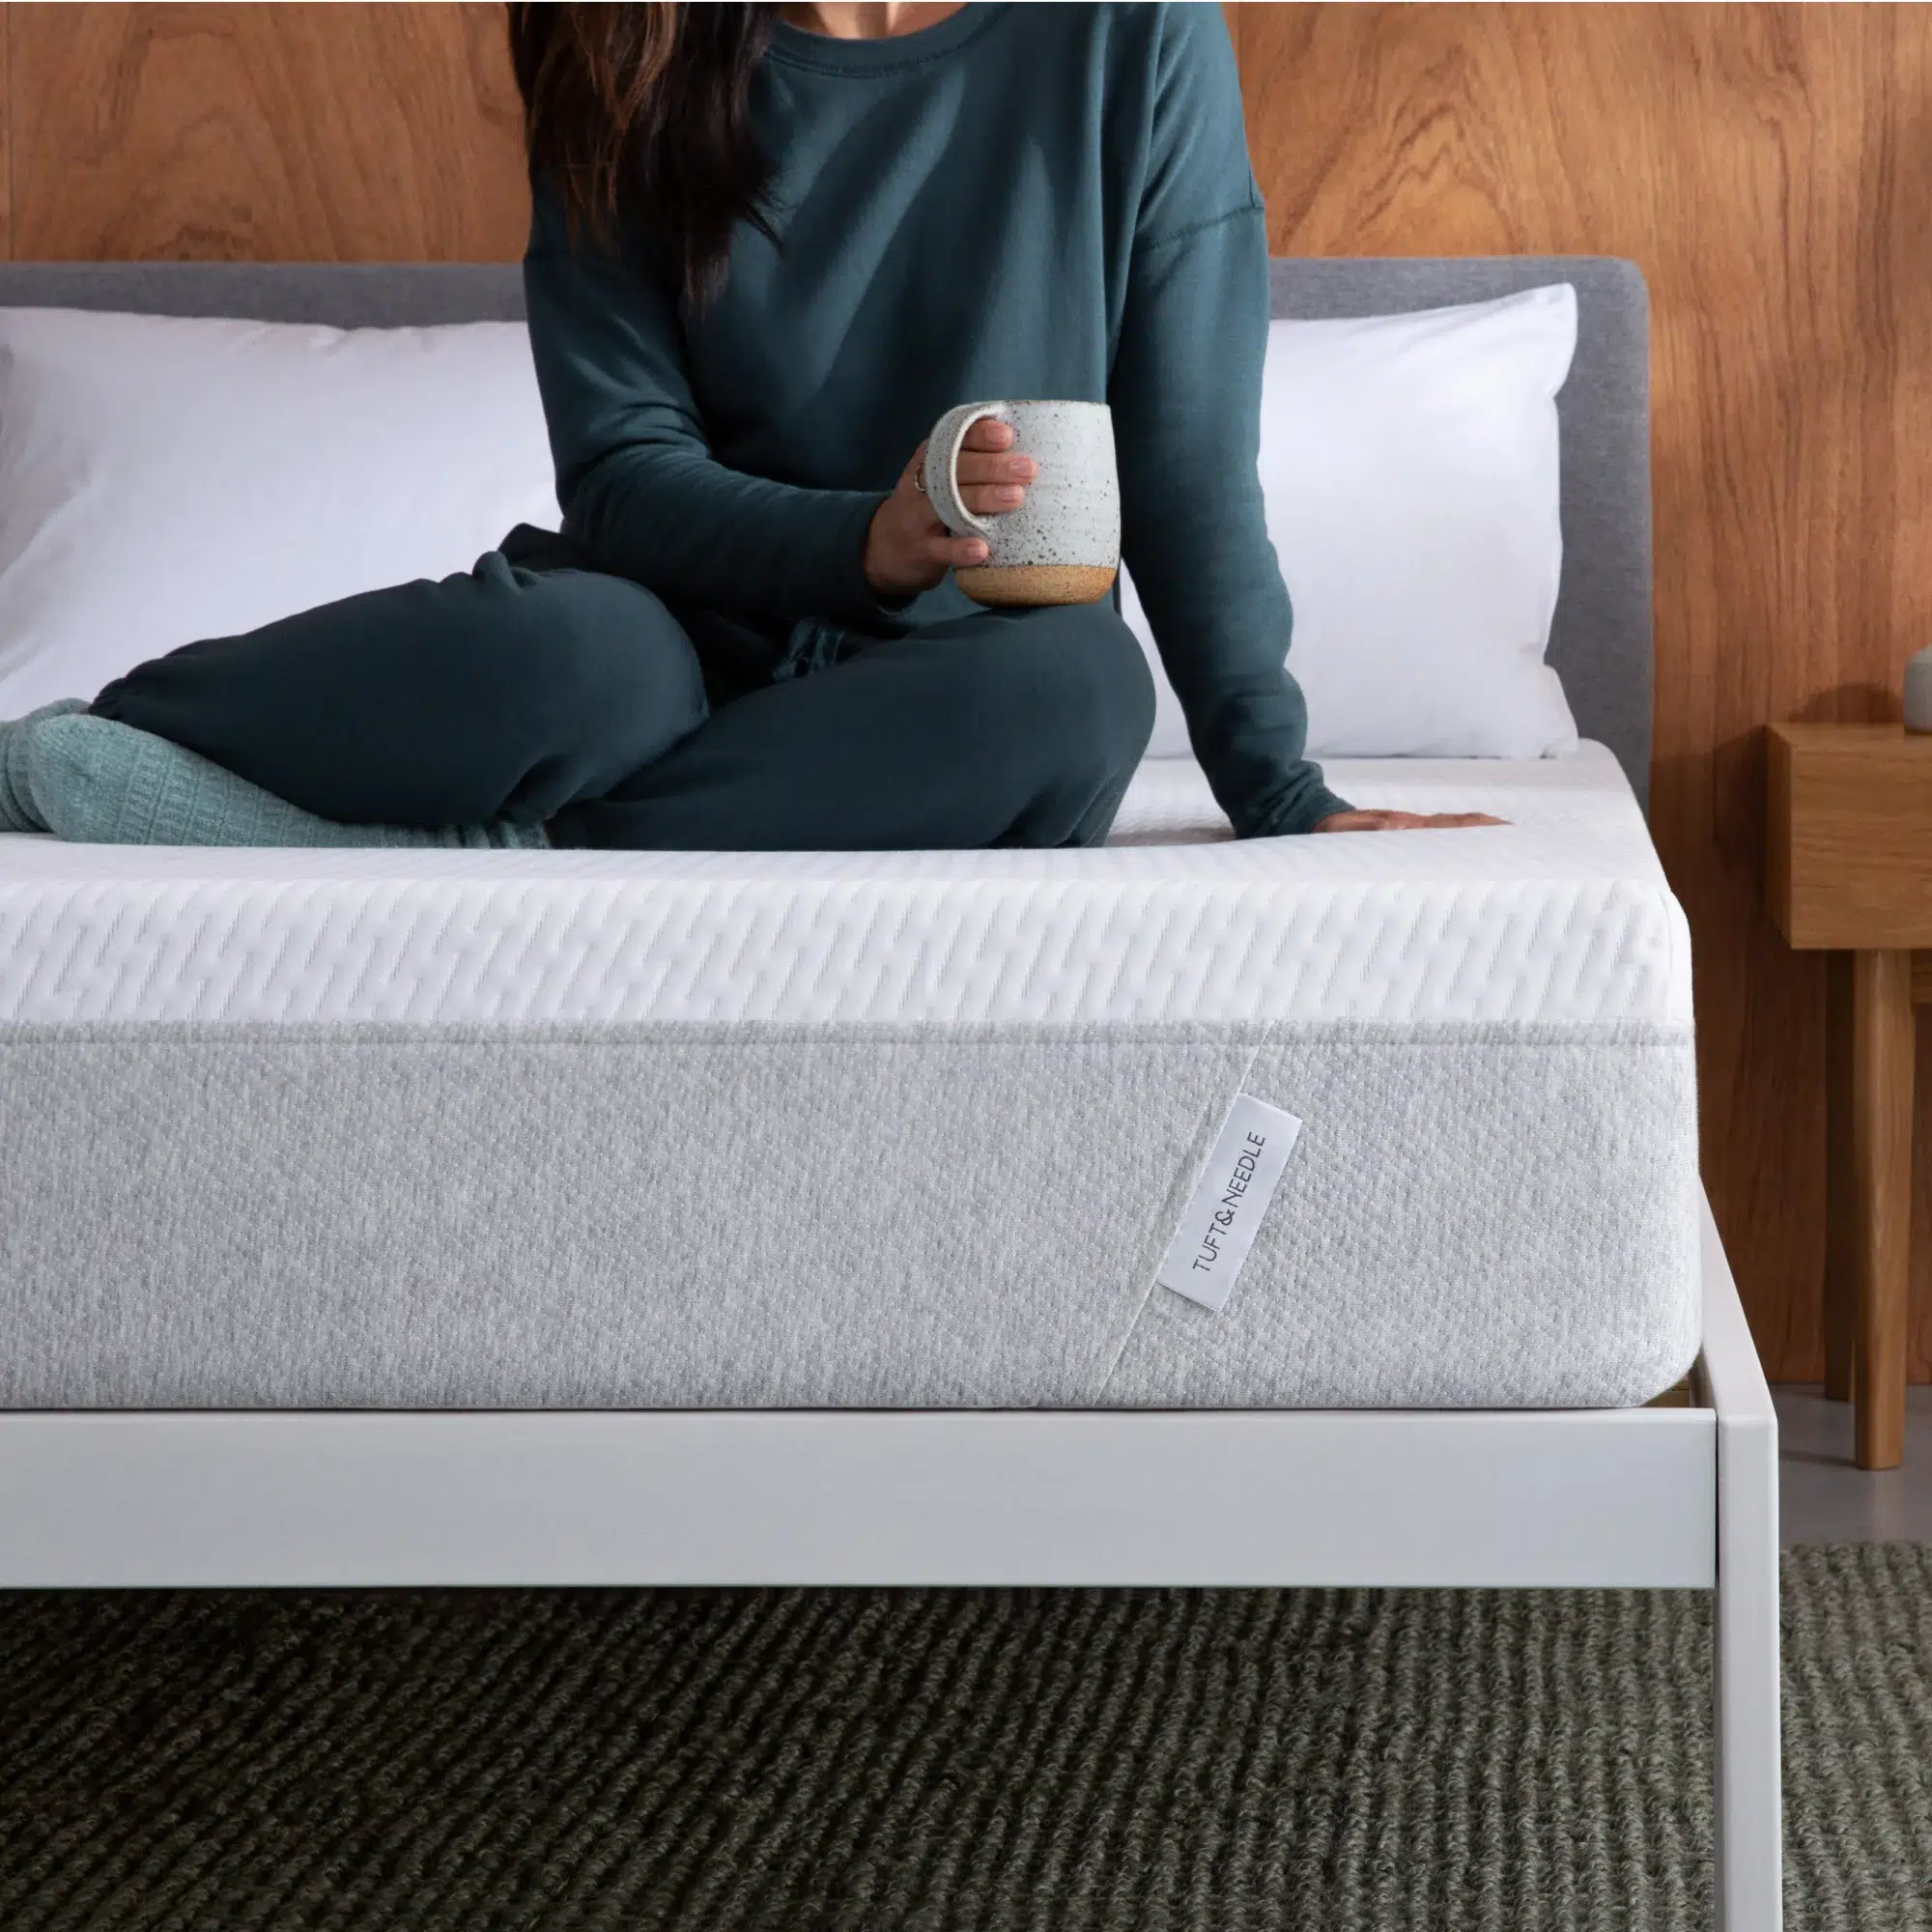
point(844, 593)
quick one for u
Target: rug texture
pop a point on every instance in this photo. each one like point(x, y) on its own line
point(1351, 1761)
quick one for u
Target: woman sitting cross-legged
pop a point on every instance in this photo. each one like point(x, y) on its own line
point(771, 246)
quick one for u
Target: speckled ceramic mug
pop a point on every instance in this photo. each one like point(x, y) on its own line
point(1062, 545)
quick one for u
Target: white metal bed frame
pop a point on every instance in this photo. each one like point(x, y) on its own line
point(1651, 1498)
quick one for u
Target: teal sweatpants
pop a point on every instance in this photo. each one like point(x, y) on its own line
point(532, 690)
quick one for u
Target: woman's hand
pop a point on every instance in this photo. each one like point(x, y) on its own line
point(1404, 821)
point(908, 549)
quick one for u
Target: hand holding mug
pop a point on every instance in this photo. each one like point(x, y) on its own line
point(1061, 542)
point(908, 549)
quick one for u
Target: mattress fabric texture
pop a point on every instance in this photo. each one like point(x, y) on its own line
point(390, 1128)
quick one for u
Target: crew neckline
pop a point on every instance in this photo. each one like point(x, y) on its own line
point(894, 53)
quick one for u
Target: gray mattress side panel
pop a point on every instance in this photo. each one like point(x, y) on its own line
point(523, 1222)
point(1562, 1176)
point(249, 1218)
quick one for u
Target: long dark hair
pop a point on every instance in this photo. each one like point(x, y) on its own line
point(643, 113)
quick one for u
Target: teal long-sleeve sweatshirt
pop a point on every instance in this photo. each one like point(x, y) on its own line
point(1018, 201)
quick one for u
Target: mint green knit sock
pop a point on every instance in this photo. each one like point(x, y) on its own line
point(18, 811)
point(99, 783)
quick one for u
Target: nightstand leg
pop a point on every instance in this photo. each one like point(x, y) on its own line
point(1882, 1186)
point(1841, 1208)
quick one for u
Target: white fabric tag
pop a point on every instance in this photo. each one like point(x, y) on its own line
point(1225, 1210)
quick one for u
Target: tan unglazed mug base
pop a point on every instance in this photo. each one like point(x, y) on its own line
point(1036, 583)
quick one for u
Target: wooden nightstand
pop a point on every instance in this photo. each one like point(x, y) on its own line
point(1848, 870)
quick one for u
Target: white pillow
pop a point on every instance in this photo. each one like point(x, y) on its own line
point(164, 479)
point(1409, 464)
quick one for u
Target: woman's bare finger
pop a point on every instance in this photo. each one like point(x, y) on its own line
point(1374, 820)
point(1013, 466)
point(993, 503)
point(957, 553)
point(987, 434)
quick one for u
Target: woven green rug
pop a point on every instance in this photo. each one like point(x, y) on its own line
point(1339, 1760)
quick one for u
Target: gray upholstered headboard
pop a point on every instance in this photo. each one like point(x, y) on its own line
point(1601, 644)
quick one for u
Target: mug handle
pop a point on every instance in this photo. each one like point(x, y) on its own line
point(942, 466)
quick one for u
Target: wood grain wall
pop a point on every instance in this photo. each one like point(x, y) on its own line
point(1770, 167)
point(262, 133)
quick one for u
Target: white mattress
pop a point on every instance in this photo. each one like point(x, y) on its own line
point(1563, 914)
point(592, 1128)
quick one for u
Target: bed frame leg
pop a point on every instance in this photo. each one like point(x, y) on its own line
point(1750, 1863)
point(1750, 1805)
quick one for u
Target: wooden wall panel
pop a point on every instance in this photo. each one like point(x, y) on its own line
point(264, 132)
point(1768, 166)
point(1770, 170)
point(6, 141)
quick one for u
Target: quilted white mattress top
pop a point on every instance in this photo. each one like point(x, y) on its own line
point(1563, 917)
